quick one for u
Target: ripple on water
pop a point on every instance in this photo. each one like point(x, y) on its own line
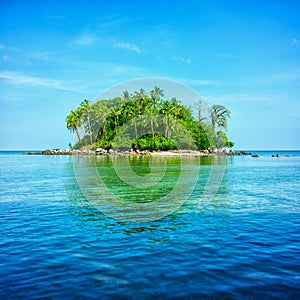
point(243, 244)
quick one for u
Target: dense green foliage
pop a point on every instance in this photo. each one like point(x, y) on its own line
point(158, 142)
point(145, 122)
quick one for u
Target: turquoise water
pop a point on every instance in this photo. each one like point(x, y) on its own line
point(244, 244)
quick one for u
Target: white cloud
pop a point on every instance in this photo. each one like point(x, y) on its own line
point(127, 46)
point(182, 59)
point(17, 78)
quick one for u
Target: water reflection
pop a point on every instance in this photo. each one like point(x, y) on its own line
point(117, 189)
point(183, 216)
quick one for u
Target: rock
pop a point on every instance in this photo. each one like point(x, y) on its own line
point(277, 155)
point(273, 155)
point(32, 153)
point(76, 151)
point(47, 152)
point(255, 155)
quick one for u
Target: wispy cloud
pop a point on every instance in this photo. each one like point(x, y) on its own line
point(197, 82)
point(11, 99)
point(112, 21)
point(181, 59)
point(287, 76)
point(4, 47)
point(240, 98)
point(225, 56)
point(18, 78)
point(127, 46)
point(86, 39)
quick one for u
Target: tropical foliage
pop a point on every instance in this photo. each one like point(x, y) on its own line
point(144, 122)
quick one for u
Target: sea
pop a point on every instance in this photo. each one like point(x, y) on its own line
point(140, 228)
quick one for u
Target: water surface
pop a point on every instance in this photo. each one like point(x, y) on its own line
point(244, 244)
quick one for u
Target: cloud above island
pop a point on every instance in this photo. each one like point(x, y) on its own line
point(127, 46)
point(86, 39)
point(19, 78)
point(182, 59)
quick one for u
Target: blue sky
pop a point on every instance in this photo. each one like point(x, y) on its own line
point(241, 54)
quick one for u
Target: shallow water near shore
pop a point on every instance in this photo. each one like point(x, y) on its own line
point(243, 244)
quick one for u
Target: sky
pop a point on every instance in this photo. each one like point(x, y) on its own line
point(241, 54)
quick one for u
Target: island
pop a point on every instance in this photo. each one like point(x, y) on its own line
point(141, 123)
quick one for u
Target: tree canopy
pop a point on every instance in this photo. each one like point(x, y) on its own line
point(144, 122)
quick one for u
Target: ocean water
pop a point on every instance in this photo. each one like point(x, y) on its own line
point(58, 241)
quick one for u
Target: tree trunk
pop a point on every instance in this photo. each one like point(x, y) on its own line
point(135, 128)
point(77, 133)
point(89, 129)
point(152, 127)
point(167, 126)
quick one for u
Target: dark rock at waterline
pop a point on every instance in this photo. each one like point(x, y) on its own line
point(244, 153)
point(47, 152)
point(132, 152)
point(32, 153)
point(56, 152)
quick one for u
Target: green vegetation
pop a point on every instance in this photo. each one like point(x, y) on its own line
point(144, 122)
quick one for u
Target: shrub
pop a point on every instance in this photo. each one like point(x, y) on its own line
point(158, 142)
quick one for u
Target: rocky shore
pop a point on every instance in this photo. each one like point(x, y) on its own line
point(131, 152)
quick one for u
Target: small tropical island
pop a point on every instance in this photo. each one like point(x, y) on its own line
point(141, 123)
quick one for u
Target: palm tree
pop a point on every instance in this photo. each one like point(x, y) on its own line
point(219, 115)
point(176, 108)
point(86, 110)
point(167, 111)
point(150, 111)
point(73, 122)
point(100, 112)
point(126, 95)
point(140, 97)
point(156, 94)
point(133, 112)
point(116, 113)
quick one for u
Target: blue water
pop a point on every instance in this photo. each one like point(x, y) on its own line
point(244, 244)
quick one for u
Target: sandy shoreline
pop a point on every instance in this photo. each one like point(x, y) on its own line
point(112, 152)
